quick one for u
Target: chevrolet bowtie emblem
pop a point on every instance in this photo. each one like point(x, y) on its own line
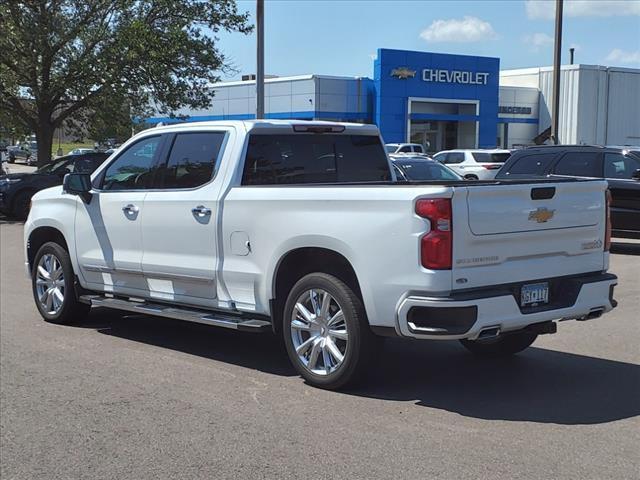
point(403, 73)
point(541, 214)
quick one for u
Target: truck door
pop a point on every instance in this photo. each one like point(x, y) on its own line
point(180, 225)
point(108, 236)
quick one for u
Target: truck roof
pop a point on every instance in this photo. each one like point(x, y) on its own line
point(270, 124)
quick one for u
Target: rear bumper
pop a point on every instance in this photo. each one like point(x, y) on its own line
point(466, 314)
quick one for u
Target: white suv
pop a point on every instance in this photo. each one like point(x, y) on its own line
point(405, 148)
point(474, 164)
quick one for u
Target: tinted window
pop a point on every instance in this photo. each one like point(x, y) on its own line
point(534, 164)
point(425, 170)
point(53, 166)
point(418, 149)
point(619, 166)
point(405, 149)
point(88, 164)
point(440, 157)
point(193, 160)
point(132, 170)
point(303, 158)
point(485, 157)
point(579, 164)
point(454, 157)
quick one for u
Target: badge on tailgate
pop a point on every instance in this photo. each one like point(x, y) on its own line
point(534, 294)
point(541, 214)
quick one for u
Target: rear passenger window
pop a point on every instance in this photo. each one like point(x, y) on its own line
point(192, 160)
point(619, 166)
point(454, 157)
point(534, 164)
point(579, 164)
point(405, 149)
point(304, 158)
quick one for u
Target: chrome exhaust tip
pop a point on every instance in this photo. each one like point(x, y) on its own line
point(488, 333)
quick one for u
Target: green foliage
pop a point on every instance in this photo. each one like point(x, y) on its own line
point(62, 60)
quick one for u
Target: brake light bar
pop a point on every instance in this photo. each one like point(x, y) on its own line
point(318, 128)
point(607, 230)
point(436, 246)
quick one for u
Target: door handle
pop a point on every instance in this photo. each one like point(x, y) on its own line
point(130, 209)
point(201, 211)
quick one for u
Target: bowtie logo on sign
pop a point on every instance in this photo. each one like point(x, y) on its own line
point(454, 76)
point(403, 73)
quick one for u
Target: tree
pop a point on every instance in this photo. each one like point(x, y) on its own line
point(60, 58)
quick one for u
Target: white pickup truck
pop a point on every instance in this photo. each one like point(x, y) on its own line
point(299, 228)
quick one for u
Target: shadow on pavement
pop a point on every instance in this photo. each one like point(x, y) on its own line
point(539, 385)
point(256, 351)
point(625, 248)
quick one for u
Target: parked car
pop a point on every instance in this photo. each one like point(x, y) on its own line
point(405, 148)
point(26, 151)
point(619, 166)
point(297, 228)
point(81, 151)
point(415, 169)
point(474, 164)
point(16, 189)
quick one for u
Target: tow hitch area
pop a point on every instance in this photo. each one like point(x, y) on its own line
point(542, 328)
point(594, 313)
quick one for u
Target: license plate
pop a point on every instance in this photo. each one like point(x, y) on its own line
point(534, 294)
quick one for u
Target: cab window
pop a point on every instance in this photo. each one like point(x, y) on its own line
point(617, 165)
point(134, 168)
point(579, 164)
point(192, 161)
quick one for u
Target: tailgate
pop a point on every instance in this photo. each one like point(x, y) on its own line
point(514, 232)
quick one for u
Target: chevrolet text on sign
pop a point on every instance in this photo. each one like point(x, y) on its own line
point(454, 76)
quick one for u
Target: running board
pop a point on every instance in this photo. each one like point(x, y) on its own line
point(218, 319)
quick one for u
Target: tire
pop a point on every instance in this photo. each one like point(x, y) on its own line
point(319, 362)
point(12, 159)
point(470, 177)
point(502, 346)
point(22, 204)
point(55, 260)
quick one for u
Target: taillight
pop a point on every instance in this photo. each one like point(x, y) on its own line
point(607, 230)
point(492, 167)
point(436, 246)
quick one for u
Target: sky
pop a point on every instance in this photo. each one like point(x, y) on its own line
point(341, 37)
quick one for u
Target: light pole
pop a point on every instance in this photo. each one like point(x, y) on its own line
point(555, 109)
point(260, 59)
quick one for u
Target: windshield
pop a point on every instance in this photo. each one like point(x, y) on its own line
point(425, 170)
point(51, 167)
point(486, 157)
point(391, 148)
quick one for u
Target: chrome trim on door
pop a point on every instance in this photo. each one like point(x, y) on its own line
point(180, 276)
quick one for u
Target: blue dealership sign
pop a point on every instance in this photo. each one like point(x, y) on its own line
point(402, 76)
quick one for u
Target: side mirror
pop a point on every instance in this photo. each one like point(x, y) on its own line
point(78, 184)
point(636, 175)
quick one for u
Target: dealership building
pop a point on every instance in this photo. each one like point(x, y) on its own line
point(450, 101)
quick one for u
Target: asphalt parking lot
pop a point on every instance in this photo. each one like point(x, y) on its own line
point(133, 397)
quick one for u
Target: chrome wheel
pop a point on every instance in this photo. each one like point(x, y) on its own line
point(50, 284)
point(319, 332)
